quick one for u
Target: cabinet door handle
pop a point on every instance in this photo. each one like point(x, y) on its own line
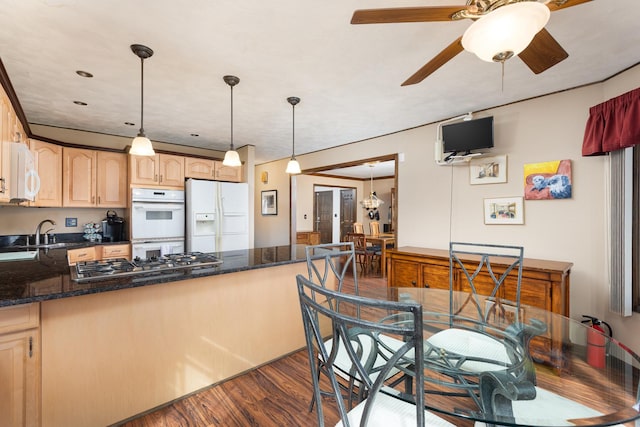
point(30, 347)
point(160, 177)
point(93, 199)
point(413, 282)
point(155, 177)
point(426, 285)
point(98, 199)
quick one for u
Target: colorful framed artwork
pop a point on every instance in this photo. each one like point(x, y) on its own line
point(504, 210)
point(270, 202)
point(488, 170)
point(547, 180)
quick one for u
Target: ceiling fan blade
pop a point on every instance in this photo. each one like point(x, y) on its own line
point(405, 14)
point(543, 52)
point(560, 5)
point(438, 61)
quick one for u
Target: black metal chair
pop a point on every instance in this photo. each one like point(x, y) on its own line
point(484, 336)
point(327, 312)
point(327, 266)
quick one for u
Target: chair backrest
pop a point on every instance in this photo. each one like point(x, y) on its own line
point(328, 263)
point(485, 268)
point(358, 227)
point(359, 241)
point(374, 227)
point(323, 308)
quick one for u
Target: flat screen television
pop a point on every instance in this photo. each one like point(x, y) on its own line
point(463, 137)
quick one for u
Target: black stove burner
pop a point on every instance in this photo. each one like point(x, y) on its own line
point(163, 265)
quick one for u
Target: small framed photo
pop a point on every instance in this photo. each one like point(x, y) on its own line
point(504, 210)
point(488, 170)
point(270, 202)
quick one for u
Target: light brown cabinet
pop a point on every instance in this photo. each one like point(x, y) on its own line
point(308, 237)
point(545, 284)
point(11, 130)
point(211, 169)
point(20, 365)
point(48, 162)
point(164, 170)
point(115, 251)
point(94, 178)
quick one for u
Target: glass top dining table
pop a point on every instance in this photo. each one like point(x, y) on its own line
point(586, 378)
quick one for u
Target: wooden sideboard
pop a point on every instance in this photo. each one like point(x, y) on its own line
point(308, 237)
point(545, 284)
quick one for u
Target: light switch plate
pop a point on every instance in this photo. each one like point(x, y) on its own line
point(71, 222)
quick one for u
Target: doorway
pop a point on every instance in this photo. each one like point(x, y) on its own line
point(333, 224)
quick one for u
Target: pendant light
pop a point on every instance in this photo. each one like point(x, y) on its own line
point(141, 145)
point(231, 157)
point(371, 202)
point(293, 167)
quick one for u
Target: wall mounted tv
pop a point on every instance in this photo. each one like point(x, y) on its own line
point(463, 137)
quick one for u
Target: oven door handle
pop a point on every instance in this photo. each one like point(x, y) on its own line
point(158, 207)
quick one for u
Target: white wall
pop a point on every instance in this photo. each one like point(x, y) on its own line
point(437, 203)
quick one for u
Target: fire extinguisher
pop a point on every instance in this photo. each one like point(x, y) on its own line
point(597, 341)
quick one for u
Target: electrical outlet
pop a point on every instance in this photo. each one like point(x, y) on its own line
point(71, 222)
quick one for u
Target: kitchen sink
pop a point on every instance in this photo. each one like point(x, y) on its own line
point(18, 256)
point(49, 245)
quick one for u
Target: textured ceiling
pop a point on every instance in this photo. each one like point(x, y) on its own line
point(347, 76)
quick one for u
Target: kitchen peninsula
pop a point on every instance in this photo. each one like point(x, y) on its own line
point(114, 348)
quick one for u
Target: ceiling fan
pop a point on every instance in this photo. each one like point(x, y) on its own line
point(539, 50)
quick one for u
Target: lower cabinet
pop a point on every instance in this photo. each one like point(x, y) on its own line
point(545, 285)
point(308, 237)
point(20, 365)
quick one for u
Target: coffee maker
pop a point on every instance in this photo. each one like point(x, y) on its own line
point(112, 227)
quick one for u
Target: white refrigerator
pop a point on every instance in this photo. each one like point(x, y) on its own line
point(217, 216)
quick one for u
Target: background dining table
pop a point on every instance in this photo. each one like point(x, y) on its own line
point(592, 381)
point(383, 240)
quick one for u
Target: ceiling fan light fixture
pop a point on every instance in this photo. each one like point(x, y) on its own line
point(231, 157)
point(141, 145)
point(506, 31)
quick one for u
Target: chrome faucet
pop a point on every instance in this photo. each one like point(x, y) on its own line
point(46, 235)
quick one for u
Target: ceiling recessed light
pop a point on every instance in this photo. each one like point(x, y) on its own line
point(80, 103)
point(129, 124)
point(194, 134)
point(84, 74)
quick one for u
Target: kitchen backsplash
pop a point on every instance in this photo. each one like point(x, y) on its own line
point(21, 220)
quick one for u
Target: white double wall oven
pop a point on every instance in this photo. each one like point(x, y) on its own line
point(157, 222)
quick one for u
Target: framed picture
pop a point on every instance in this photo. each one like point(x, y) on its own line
point(547, 180)
point(488, 170)
point(504, 210)
point(270, 202)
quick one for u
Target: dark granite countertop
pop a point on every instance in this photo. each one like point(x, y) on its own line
point(47, 277)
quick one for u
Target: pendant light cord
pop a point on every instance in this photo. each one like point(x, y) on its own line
point(141, 97)
point(293, 132)
point(231, 117)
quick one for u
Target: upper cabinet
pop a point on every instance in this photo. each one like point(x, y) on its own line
point(94, 178)
point(11, 130)
point(48, 163)
point(211, 169)
point(160, 170)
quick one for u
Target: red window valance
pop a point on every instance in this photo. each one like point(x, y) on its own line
point(613, 125)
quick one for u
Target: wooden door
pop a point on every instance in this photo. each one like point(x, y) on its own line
point(323, 215)
point(348, 211)
point(48, 162)
point(79, 177)
point(111, 180)
point(199, 168)
point(171, 171)
point(144, 169)
point(19, 372)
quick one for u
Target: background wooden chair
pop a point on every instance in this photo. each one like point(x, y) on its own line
point(366, 256)
point(358, 227)
point(374, 228)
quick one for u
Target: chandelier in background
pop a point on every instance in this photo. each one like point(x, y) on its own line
point(371, 202)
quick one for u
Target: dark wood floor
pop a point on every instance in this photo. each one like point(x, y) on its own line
point(276, 394)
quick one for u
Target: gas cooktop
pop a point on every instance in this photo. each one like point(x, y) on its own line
point(171, 264)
